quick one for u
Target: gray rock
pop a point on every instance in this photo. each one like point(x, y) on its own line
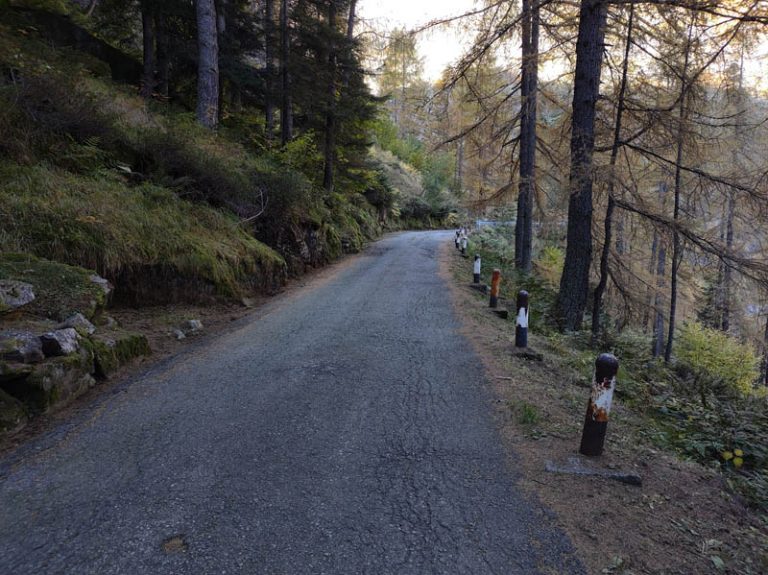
point(178, 334)
point(79, 322)
point(102, 283)
point(15, 294)
point(192, 326)
point(60, 342)
point(21, 347)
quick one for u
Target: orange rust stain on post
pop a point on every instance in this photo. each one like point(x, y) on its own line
point(495, 287)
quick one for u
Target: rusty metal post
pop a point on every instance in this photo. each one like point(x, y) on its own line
point(476, 270)
point(495, 285)
point(599, 407)
point(521, 326)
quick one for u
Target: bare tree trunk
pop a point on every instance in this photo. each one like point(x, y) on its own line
point(221, 30)
point(658, 324)
point(286, 112)
point(329, 148)
point(649, 290)
point(269, 40)
point(148, 43)
point(528, 96)
point(574, 283)
point(207, 65)
point(677, 255)
point(600, 290)
point(725, 324)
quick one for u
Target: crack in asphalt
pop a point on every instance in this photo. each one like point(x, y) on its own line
point(349, 432)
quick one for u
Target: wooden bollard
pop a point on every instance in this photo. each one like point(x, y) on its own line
point(599, 406)
point(521, 325)
point(476, 270)
point(495, 285)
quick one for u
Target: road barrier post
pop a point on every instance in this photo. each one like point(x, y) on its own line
point(457, 240)
point(599, 406)
point(464, 245)
point(521, 326)
point(476, 270)
point(495, 285)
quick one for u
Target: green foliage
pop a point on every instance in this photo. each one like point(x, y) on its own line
point(716, 362)
point(138, 236)
point(60, 290)
point(549, 265)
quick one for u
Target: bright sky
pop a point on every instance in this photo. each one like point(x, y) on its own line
point(439, 47)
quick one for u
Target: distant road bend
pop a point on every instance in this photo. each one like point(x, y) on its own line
point(345, 429)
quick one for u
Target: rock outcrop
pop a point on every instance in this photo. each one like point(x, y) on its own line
point(21, 347)
point(15, 294)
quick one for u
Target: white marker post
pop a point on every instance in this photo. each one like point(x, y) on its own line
point(521, 328)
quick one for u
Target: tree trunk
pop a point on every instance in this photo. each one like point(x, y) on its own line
point(658, 324)
point(574, 283)
point(601, 286)
point(677, 255)
point(727, 272)
point(269, 40)
point(286, 113)
point(148, 43)
point(221, 30)
point(329, 147)
point(528, 95)
point(163, 54)
point(207, 64)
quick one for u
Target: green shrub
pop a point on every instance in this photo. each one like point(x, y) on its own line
point(716, 362)
point(549, 265)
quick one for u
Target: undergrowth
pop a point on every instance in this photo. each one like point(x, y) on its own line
point(704, 405)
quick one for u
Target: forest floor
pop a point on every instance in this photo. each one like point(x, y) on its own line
point(683, 520)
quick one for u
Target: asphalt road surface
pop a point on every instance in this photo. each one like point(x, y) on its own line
point(345, 428)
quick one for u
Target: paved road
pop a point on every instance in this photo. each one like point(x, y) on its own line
point(346, 430)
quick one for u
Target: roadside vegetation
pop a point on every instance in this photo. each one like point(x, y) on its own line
point(707, 405)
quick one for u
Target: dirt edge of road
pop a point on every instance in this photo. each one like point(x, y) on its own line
point(681, 521)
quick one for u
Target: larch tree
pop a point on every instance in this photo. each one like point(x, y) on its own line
point(574, 283)
point(528, 118)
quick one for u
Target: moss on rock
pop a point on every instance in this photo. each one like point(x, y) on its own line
point(13, 416)
point(54, 383)
point(60, 290)
point(114, 349)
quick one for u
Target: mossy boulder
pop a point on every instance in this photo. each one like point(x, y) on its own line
point(13, 416)
point(12, 371)
point(53, 383)
point(61, 290)
point(116, 348)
